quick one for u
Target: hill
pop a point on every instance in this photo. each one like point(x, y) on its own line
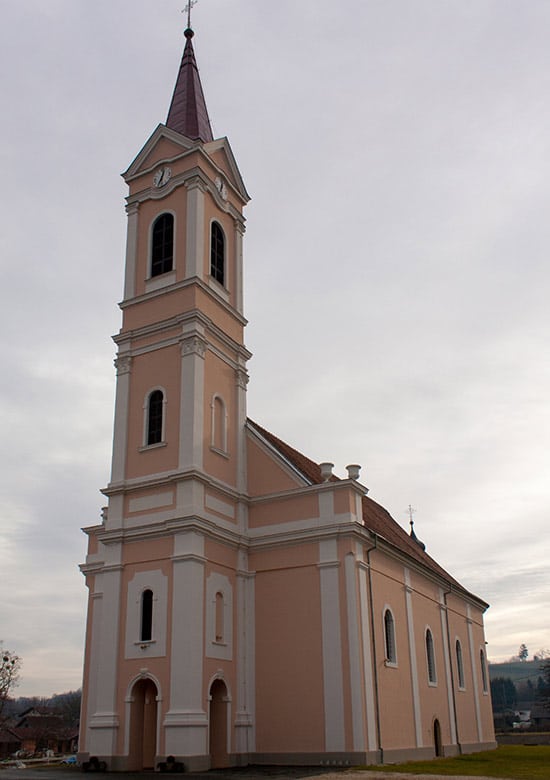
point(517, 671)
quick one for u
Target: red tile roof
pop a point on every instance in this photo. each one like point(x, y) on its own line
point(375, 517)
point(188, 114)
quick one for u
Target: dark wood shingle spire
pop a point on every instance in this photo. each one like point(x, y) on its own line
point(187, 114)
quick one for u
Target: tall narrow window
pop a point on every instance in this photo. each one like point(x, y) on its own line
point(217, 253)
point(459, 664)
point(155, 409)
point(162, 245)
point(389, 637)
point(483, 670)
point(146, 633)
point(219, 617)
point(430, 657)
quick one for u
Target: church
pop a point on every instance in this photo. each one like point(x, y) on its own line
point(246, 605)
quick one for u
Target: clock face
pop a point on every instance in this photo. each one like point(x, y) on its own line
point(162, 177)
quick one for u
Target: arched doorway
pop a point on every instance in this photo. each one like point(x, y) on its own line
point(219, 756)
point(437, 738)
point(143, 726)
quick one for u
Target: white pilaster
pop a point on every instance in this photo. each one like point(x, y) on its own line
point(239, 297)
point(412, 659)
point(193, 349)
point(242, 381)
point(245, 738)
point(473, 667)
point(131, 251)
point(104, 721)
point(447, 657)
point(367, 658)
point(123, 364)
point(332, 646)
point(356, 682)
point(186, 722)
point(194, 247)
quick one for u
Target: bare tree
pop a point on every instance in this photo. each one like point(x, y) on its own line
point(10, 664)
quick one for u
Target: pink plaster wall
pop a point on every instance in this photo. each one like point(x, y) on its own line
point(289, 673)
point(159, 368)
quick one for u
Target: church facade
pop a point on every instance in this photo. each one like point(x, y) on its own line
point(245, 604)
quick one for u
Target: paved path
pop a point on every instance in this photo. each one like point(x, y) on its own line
point(248, 773)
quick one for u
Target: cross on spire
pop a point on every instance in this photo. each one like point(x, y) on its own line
point(187, 10)
point(410, 512)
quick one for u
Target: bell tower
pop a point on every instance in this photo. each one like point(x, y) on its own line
point(162, 568)
point(181, 363)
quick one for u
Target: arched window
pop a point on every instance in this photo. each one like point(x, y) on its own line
point(217, 253)
point(219, 617)
point(389, 637)
point(483, 670)
point(219, 424)
point(146, 633)
point(155, 412)
point(162, 245)
point(459, 664)
point(430, 657)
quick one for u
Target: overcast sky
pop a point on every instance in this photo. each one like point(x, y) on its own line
point(397, 272)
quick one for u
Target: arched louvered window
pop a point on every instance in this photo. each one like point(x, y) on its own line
point(217, 253)
point(459, 664)
point(430, 657)
point(483, 670)
point(146, 633)
point(389, 637)
point(162, 245)
point(155, 412)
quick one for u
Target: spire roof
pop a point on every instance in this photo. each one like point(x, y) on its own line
point(188, 114)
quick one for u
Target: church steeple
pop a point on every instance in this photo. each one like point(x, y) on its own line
point(188, 114)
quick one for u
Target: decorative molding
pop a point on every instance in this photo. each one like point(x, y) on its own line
point(196, 182)
point(193, 345)
point(239, 225)
point(123, 364)
point(242, 378)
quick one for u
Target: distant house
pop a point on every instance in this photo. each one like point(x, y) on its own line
point(40, 728)
point(9, 742)
point(540, 717)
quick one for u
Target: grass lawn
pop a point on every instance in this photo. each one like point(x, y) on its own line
point(520, 762)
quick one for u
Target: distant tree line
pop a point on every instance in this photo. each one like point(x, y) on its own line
point(507, 694)
point(65, 704)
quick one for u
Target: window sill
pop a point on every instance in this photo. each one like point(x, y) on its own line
point(144, 644)
point(223, 453)
point(152, 446)
point(222, 291)
point(461, 689)
point(390, 664)
point(218, 643)
point(160, 281)
point(432, 684)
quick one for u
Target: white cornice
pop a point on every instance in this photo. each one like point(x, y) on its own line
point(168, 478)
point(194, 280)
point(282, 495)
